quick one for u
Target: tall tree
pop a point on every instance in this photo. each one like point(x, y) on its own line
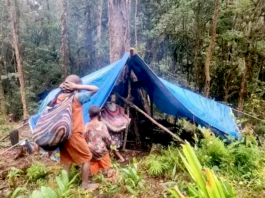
point(64, 46)
point(18, 57)
point(210, 49)
point(99, 19)
point(2, 95)
point(99, 30)
point(135, 23)
point(243, 84)
point(119, 28)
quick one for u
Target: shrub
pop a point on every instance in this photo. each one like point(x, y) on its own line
point(132, 179)
point(36, 171)
point(12, 174)
point(207, 184)
point(162, 162)
point(239, 160)
point(246, 160)
point(213, 152)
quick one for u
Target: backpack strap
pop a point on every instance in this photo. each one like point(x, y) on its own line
point(52, 103)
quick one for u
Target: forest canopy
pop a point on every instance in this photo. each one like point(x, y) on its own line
point(41, 41)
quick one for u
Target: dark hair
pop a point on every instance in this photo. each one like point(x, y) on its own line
point(94, 111)
point(74, 79)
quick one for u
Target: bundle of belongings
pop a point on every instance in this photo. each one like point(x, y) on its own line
point(114, 117)
point(116, 121)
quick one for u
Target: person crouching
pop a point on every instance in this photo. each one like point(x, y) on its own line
point(99, 140)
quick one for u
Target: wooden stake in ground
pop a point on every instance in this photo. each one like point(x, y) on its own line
point(18, 57)
point(210, 50)
point(151, 119)
point(128, 111)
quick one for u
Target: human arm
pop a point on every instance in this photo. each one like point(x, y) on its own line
point(86, 133)
point(69, 86)
point(106, 137)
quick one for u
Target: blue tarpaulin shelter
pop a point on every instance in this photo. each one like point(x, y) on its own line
point(169, 98)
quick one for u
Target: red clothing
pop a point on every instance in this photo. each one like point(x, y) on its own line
point(75, 149)
point(104, 163)
point(98, 139)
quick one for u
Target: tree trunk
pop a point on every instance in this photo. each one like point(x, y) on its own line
point(144, 100)
point(98, 39)
point(119, 29)
point(210, 50)
point(135, 24)
point(99, 19)
point(18, 58)
point(64, 47)
point(243, 84)
point(2, 96)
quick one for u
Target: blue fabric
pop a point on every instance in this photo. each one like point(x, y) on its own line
point(104, 78)
point(168, 97)
point(83, 97)
point(203, 110)
point(180, 102)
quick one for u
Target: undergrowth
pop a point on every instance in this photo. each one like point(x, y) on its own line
point(36, 172)
point(162, 161)
point(235, 160)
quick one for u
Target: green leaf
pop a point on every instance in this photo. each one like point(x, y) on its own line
point(64, 178)
point(36, 194)
point(17, 191)
point(60, 185)
point(132, 191)
point(48, 192)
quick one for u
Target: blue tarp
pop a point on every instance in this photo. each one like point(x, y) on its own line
point(104, 78)
point(168, 97)
point(180, 102)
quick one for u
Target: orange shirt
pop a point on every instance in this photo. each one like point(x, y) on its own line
point(75, 150)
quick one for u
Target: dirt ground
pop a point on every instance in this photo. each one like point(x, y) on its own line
point(20, 158)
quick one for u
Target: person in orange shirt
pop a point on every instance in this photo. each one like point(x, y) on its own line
point(75, 150)
point(99, 142)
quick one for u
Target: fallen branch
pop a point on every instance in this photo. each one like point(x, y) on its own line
point(11, 147)
point(151, 119)
point(4, 137)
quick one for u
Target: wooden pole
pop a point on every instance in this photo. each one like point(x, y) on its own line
point(151, 119)
point(12, 147)
point(128, 110)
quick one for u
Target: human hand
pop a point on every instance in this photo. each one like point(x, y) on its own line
point(113, 147)
point(68, 86)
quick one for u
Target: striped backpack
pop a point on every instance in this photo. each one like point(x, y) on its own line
point(55, 124)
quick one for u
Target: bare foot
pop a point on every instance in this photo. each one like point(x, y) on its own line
point(90, 186)
point(111, 173)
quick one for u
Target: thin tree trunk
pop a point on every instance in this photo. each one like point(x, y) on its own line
point(99, 19)
point(144, 100)
point(119, 28)
point(135, 24)
point(18, 58)
point(243, 84)
point(98, 40)
point(64, 47)
point(2, 96)
point(210, 50)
